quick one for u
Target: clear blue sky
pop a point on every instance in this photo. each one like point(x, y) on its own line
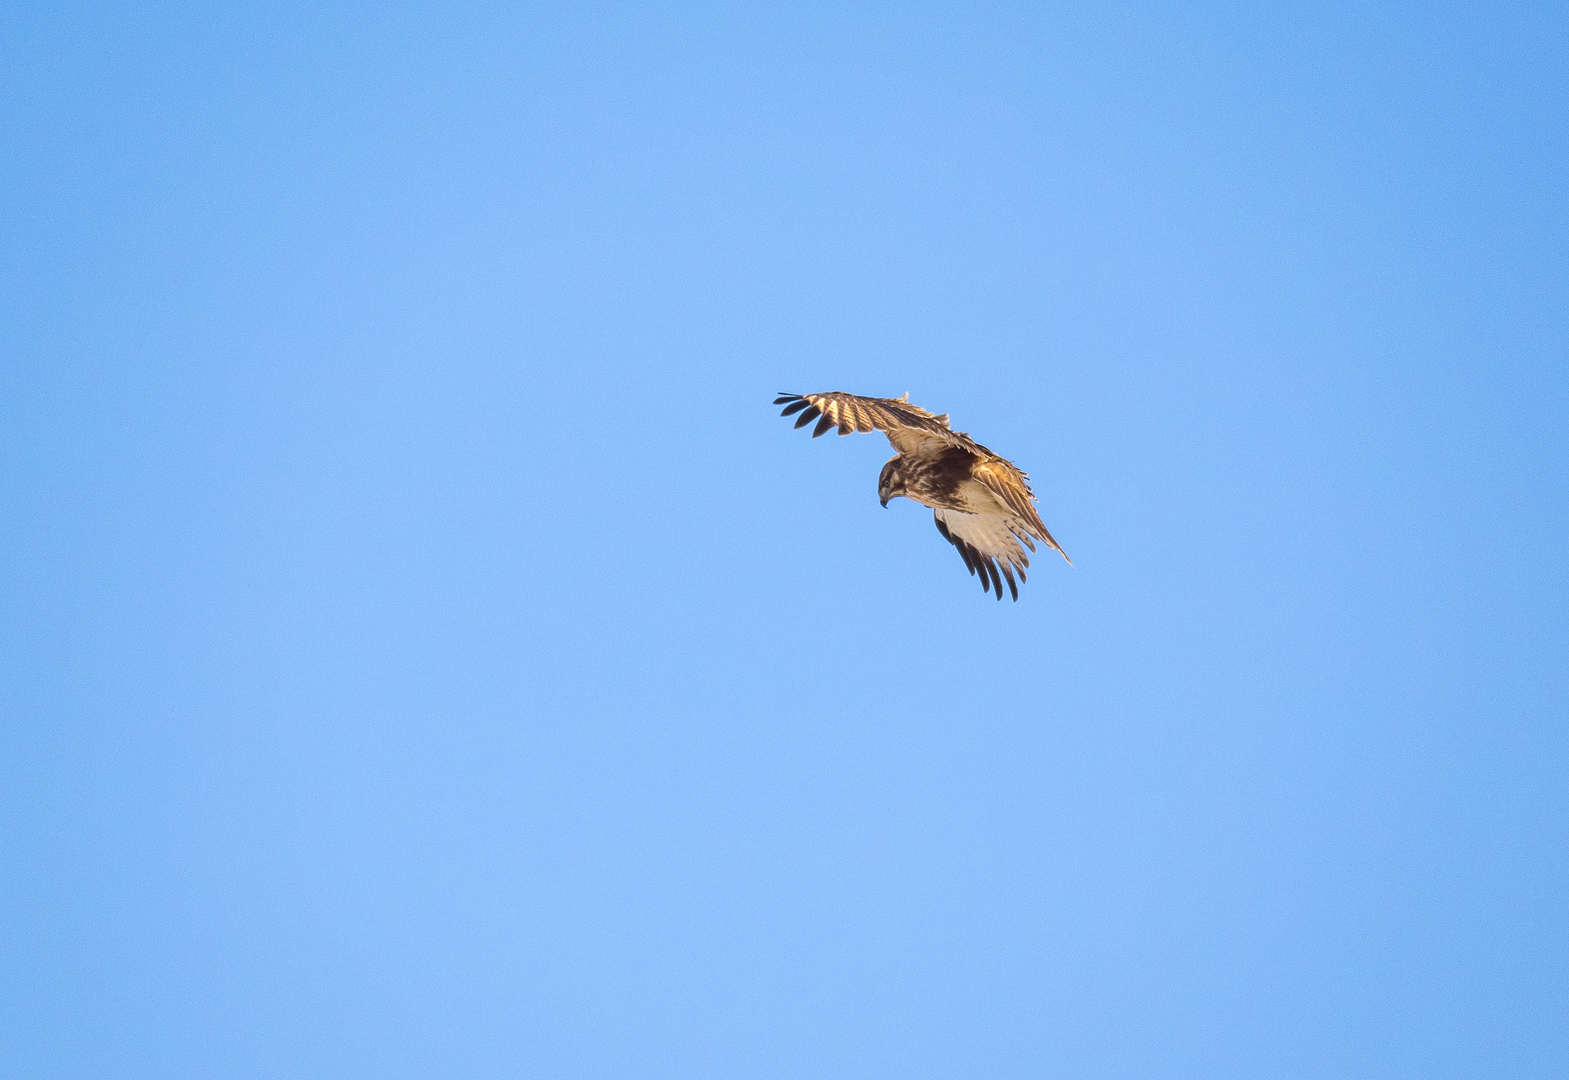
point(427, 653)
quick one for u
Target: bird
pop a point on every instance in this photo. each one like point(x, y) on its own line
point(982, 503)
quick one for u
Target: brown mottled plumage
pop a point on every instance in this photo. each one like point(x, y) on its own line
point(983, 504)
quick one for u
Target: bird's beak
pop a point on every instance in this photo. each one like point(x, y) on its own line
point(885, 504)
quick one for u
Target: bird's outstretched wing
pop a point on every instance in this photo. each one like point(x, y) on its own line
point(984, 541)
point(1011, 487)
point(910, 428)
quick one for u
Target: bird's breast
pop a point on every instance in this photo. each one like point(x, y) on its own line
point(946, 481)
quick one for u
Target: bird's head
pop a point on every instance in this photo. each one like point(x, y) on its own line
point(890, 485)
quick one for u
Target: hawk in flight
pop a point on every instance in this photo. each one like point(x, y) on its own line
point(983, 503)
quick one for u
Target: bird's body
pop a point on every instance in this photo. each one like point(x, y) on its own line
point(982, 503)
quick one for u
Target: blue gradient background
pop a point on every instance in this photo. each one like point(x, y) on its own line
point(426, 653)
